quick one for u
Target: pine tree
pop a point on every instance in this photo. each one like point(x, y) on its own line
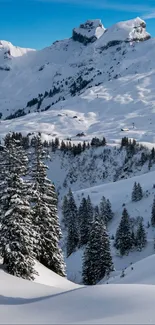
point(103, 209)
point(73, 231)
point(106, 210)
point(16, 234)
point(110, 213)
point(65, 211)
point(97, 261)
point(45, 214)
point(141, 238)
point(139, 192)
point(153, 214)
point(90, 210)
point(84, 223)
point(123, 240)
point(134, 192)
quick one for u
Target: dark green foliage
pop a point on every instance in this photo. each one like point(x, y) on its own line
point(96, 142)
point(153, 214)
point(16, 233)
point(73, 233)
point(32, 102)
point(123, 239)
point(141, 238)
point(65, 211)
point(45, 217)
point(84, 222)
point(106, 213)
point(124, 142)
point(137, 192)
point(97, 260)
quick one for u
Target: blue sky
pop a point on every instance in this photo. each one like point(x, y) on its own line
point(37, 23)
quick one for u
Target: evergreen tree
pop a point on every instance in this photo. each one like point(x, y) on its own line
point(16, 234)
point(45, 214)
point(141, 238)
point(73, 232)
point(139, 192)
point(134, 192)
point(153, 214)
point(90, 210)
point(105, 210)
point(97, 260)
point(65, 211)
point(123, 240)
point(83, 222)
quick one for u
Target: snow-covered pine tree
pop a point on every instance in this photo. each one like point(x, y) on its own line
point(97, 260)
point(65, 211)
point(141, 238)
point(84, 222)
point(103, 209)
point(16, 234)
point(153, 214)
point(110, 213)
point(123, 240)
point(46, 220)
point(134, 192)
point(90, 210)
point(106, 212)
point(73, 227)
point(96, 212)
point(139, 192)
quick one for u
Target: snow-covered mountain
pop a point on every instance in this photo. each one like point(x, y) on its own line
point(93, 55)
point(100, 82)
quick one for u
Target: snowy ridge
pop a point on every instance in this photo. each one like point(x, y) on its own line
point(128, 31)
point(69, 68)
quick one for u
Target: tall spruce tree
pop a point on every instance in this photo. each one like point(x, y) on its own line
point(123, 239)
point(141, 238)
point(45, 213)
point(73, 228)
point(16, 235)
point(134, 192)
point(139, 192)
point(97, 260)
point(153, 214)
point(106, 212)
point(90, 210)
point(84, 222)
point(65, 211)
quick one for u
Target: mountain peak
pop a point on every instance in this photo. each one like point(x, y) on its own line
point(126, 31)
point(88, 32)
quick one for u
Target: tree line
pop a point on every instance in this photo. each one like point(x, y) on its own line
point(30, 228)
point(86, 226)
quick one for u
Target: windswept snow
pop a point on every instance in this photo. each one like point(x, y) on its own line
point(25, 302)
point(138, 273)
point(130, 30)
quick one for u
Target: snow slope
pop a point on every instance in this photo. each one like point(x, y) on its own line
point(25, 302)
point(138, 273)
point(112, 80)
point(119, 193)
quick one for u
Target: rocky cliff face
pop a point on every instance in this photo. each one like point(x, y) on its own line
point(88, 32)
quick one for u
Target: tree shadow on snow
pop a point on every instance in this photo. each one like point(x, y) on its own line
point(4, 300)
